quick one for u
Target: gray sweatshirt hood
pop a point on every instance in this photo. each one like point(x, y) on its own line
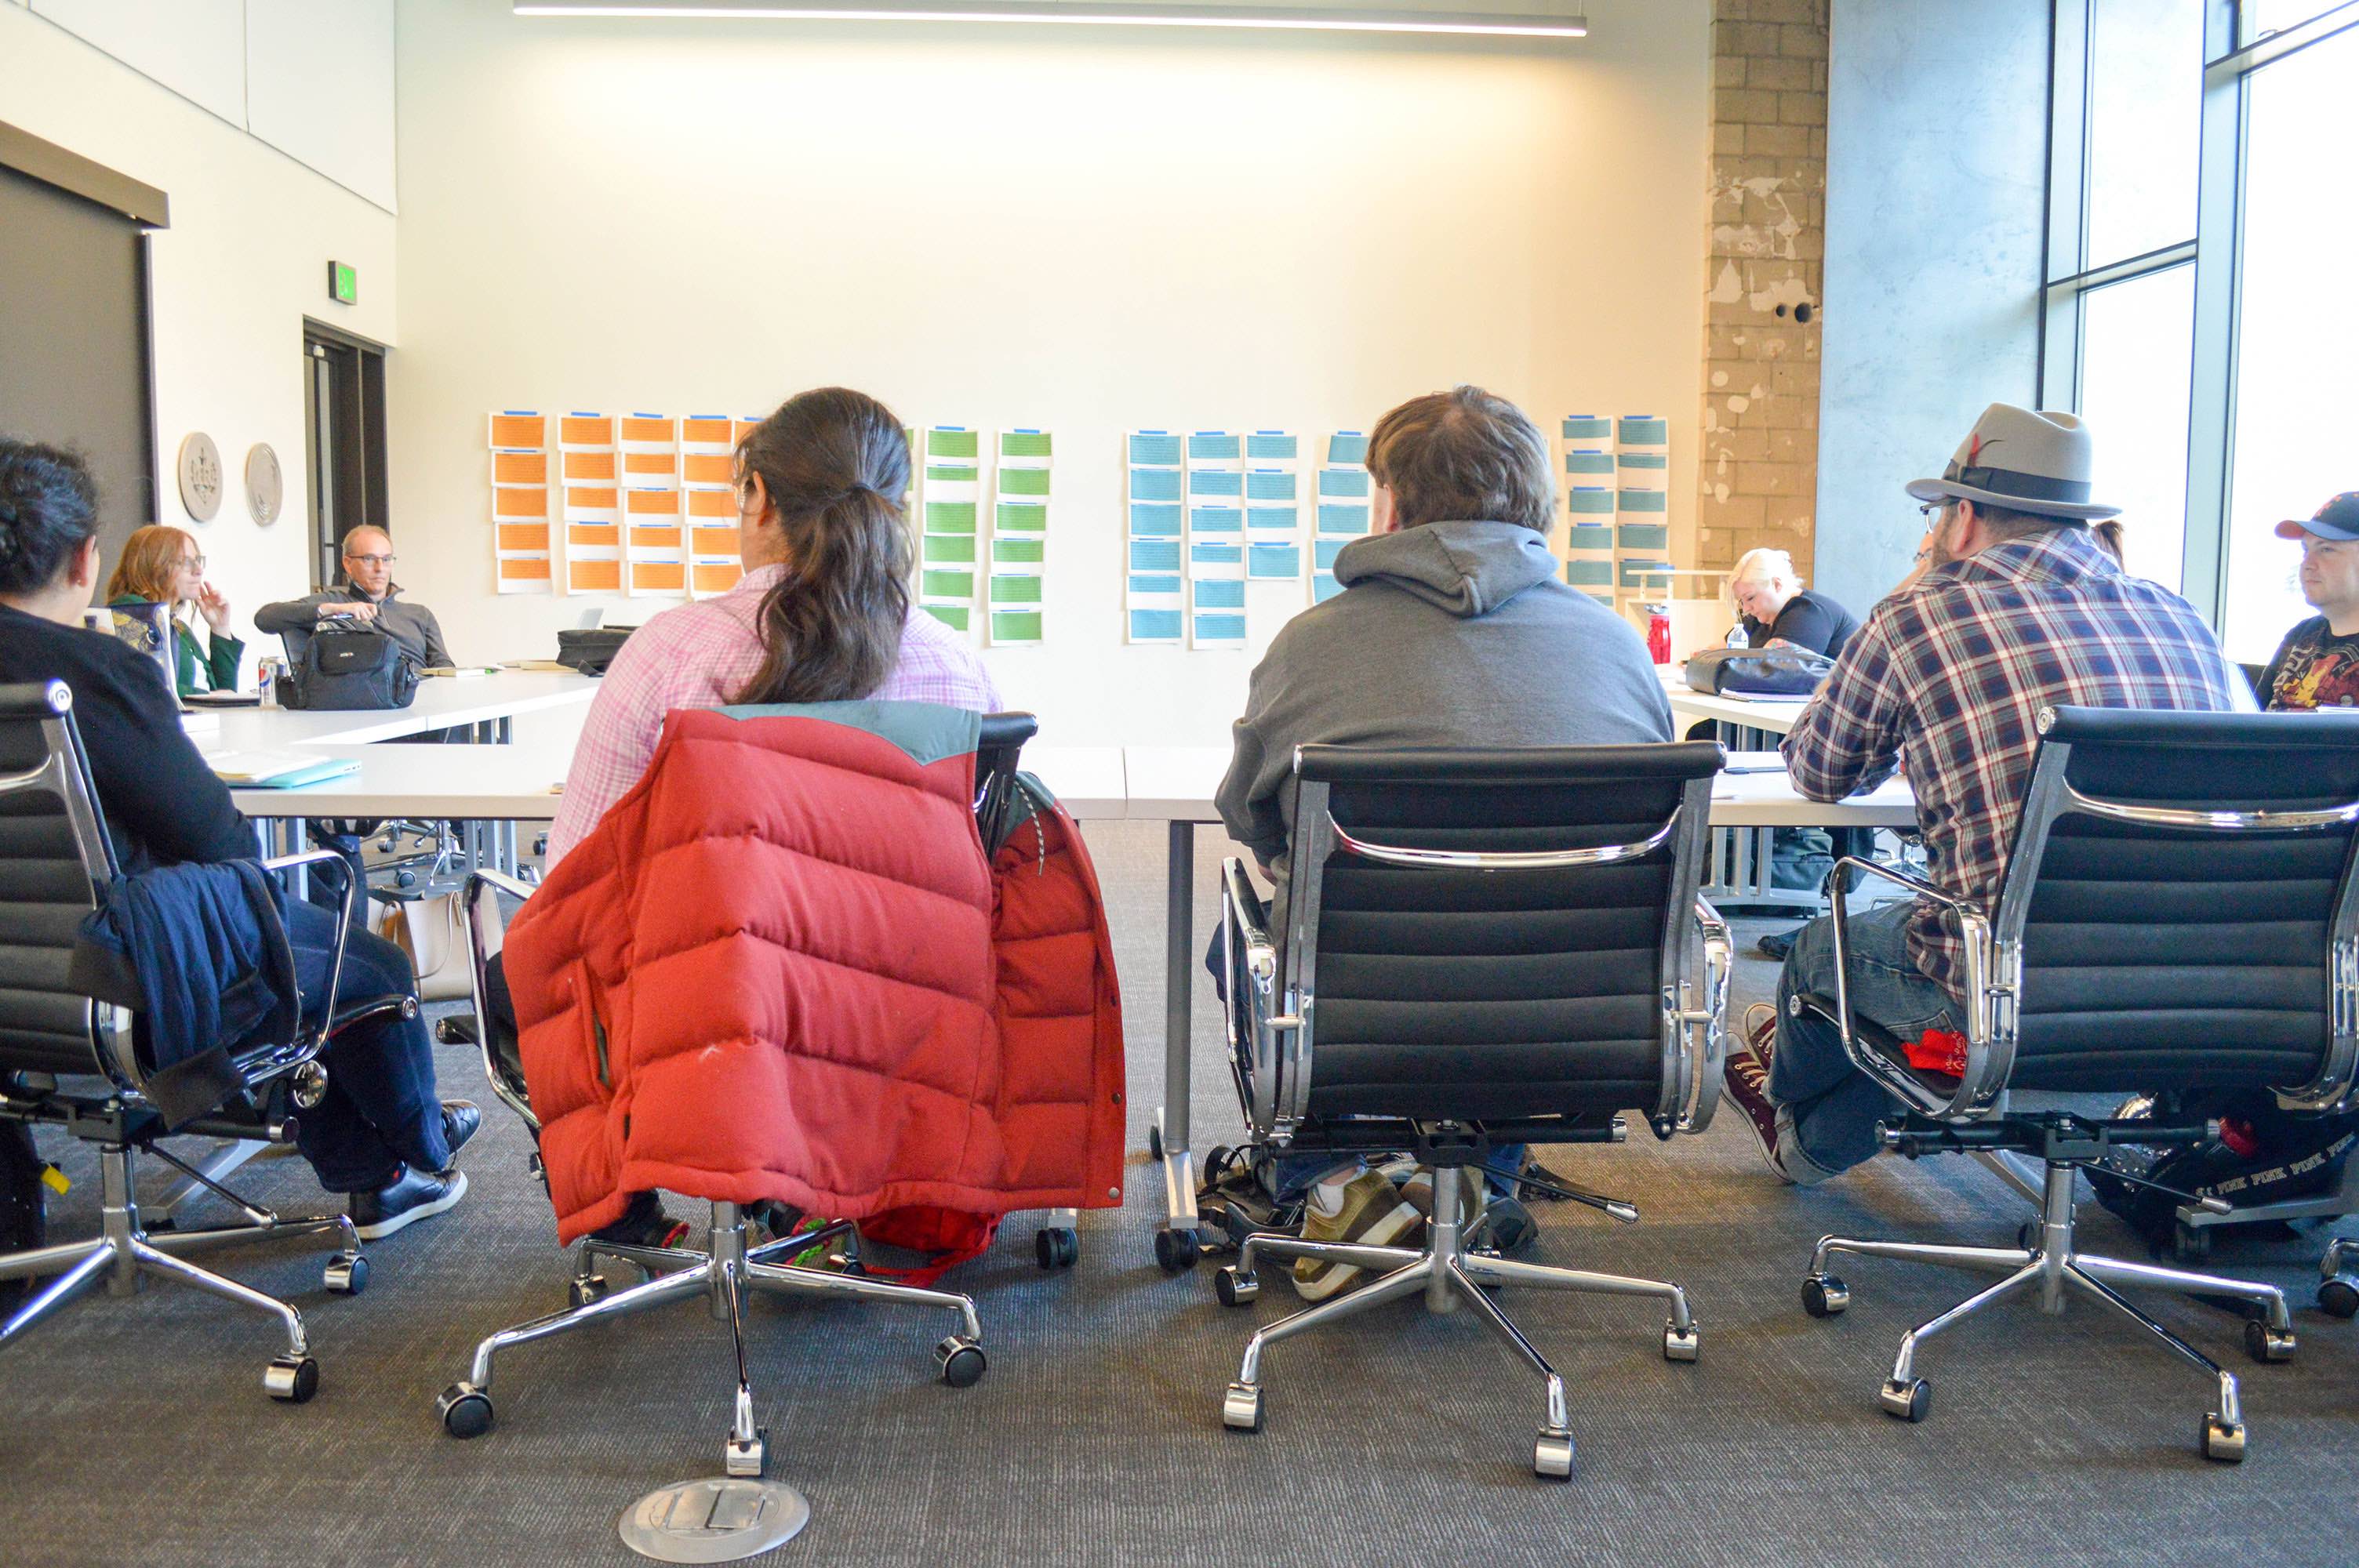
point(1466, 569)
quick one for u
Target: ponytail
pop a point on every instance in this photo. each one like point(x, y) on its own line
point(833, 463)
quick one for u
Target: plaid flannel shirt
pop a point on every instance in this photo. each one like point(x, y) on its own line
point(701, 655)
point(1948, 677)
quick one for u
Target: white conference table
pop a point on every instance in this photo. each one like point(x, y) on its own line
point(484, 704)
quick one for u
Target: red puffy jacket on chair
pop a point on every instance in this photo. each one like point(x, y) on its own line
point(781, 968)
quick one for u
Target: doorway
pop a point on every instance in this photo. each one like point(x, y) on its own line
point(343, 441)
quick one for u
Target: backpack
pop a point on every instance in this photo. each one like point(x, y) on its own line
point(346, 666)
point(2264, 1155)
point(1758, 671)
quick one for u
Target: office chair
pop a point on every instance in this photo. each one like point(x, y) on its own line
point(1480, 948)
point(728, 1264)
point(2179, 915)
point(69, 1056)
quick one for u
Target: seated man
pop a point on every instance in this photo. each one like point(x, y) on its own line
point(2017, 609)
point(367, 595)
point(1452, 629)
point(2317, 665)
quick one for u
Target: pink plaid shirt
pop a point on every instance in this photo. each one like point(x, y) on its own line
point(701, 655)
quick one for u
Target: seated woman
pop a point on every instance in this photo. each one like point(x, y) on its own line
point(822, 614)
point(380, 1135)
point(163, 565)
point(1777, 608)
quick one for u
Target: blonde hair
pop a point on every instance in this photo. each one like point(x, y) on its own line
point(150, 563)
point(1764, 563)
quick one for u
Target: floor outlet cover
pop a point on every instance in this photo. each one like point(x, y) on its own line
point(713, 1520)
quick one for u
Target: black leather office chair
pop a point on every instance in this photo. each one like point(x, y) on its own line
point(1480, 948)
point(728, 1264)
point(2179, 915)
point(70, 1057)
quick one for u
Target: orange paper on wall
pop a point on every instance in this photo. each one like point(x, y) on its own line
point(708, 467)
point(517, 429)
point(524, 536)
point(651, 502)
point(645, 538)
point(711, 504)
point(594, 576)
point(647, 428)
point(586, 430)
point(513, 502)
point(581, 467)
point(531, 568)
point(656, 577)
point(717, 578)
point(519, 468)
point(740, 429)
point(713, 541)
point(640, 467)
point(706, 432)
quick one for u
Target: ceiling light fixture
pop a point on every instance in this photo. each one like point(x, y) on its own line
point(1514, 25)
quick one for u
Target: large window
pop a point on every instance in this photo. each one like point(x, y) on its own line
point(2202, 231)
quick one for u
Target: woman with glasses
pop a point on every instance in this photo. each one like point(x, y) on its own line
point(163, 565)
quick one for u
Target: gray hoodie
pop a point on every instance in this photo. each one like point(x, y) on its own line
point(1448, 635)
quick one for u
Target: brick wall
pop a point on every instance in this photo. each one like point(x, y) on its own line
point(1758, 456)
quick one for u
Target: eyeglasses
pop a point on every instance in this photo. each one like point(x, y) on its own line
point(192, 563)
point(371, 560)
point(1931, 511)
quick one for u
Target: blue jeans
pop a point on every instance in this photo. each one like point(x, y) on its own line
point(1296, 1172)
point(381, 1110)
point(1827, 1108)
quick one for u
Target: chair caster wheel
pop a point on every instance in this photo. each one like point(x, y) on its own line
point(404, 878)
point(466, 1411)
point(2338, 1297)
point(1235, 1289)
point(2027, 1235)
point(960, 1360)
point(1177, 1250)
point(1823, 1295)
point(747, 1461)
point(1057, 1247)
point(1912, 1401)
point(1552, 1456)
point(2265, 1344)
point(1154, 1140)
point(2190, 1243)
point(294, 1379)
point(2224, 1443)
point(1240, 1409)
point(585, 1290)
point(1679, 1345)
point(346, 1274)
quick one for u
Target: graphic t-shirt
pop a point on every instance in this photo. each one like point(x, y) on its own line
point(2313, 668)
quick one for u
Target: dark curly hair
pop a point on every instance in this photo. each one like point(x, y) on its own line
point(49, 506)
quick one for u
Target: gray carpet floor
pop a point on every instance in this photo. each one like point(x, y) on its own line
point(138, 1433)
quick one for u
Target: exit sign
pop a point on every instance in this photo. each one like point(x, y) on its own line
point(343, 283)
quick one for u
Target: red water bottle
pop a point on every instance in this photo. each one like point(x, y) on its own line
point(1659, 636)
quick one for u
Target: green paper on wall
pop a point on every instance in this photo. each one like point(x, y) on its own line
point(937, 584)
point(950, 516)
point(1024, 443)
point(950, 549)
point(943, 442)
point(1015, 590)
point(955, 616)
point(1022, 517)
point(1015, 625)
point(1018, 552)
point(1023, 482)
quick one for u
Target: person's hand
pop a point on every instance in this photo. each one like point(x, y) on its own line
point(213, 605)
point(350, 611)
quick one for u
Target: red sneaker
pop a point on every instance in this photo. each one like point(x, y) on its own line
point(1746, 1079)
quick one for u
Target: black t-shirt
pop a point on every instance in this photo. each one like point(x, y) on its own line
point(2312, 668)
point(1810, 620)
point(162, 803)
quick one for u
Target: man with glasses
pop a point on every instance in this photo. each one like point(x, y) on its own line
point(2317, 665)
point(368, 594)
point(2016, 607)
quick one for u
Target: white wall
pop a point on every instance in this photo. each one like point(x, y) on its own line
point(1003, 226)
point(244, 262)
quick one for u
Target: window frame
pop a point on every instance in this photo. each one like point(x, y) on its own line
point(2233, 50)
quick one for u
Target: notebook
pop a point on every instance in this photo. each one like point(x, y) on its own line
point(277, 770)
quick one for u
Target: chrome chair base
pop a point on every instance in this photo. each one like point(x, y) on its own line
point(124, 1253)
point(2053, 1263)
point(1446, 1272)
point(2338, 1284)
point(721, 1273)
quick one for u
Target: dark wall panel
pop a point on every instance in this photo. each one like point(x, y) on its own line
point(73, 341)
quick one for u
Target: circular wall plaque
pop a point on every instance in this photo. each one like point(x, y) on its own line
point(201, 476)
point(265, 486)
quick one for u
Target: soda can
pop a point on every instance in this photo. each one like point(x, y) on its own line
point(268, 671)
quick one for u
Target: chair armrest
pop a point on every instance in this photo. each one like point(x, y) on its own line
point(1990, 1006)
point(1705, 1029)
point(1242, 906)
point(323, 858)
point(479, 907)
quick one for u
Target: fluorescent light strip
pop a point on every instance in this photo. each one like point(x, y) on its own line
point(1490, 24)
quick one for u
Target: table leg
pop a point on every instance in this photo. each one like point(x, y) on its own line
point(1178, 1000)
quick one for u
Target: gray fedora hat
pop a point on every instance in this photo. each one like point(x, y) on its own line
point(2024, 460)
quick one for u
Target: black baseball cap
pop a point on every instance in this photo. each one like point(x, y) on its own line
point(2338, 519)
